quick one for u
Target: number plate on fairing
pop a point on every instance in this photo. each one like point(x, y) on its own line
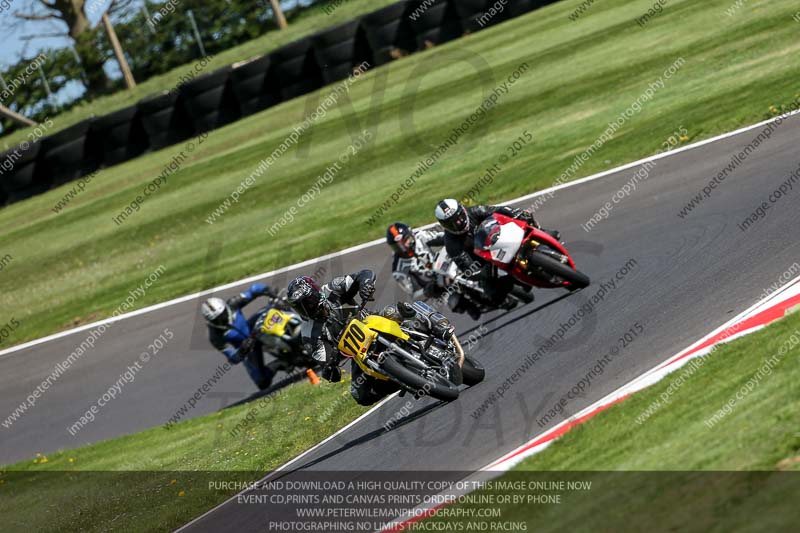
point(505, 248)
point(356, 340)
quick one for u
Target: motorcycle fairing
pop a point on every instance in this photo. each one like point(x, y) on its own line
point(502, 239)
point(359, 336)
point(275, 323)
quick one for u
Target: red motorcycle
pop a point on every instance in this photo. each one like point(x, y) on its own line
point(529, 255)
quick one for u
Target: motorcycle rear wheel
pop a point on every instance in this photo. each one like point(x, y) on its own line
point(440, 388)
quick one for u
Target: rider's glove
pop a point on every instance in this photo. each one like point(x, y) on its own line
point(367, 290)
point(332, 373)
point(258, 288)
point(247, 347)
point(521, 214)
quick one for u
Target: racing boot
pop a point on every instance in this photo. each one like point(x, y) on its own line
point(458, 303)
point(509, 303)
point(474, 312)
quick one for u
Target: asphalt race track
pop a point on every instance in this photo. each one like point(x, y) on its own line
point(690, 275)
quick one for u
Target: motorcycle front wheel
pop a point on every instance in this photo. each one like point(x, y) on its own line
point(472, 371)
point(576, 279)
point(438, 387)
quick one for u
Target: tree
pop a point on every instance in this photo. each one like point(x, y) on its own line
point(26, 92)
point(72, 21)
point(223, 24)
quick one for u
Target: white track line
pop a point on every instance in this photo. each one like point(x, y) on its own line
point(370, 244)
point(658, 372)
point(293, 461)
point(510, 459)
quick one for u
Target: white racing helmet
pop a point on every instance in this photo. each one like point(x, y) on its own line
point(452, 216)
point(217, 313)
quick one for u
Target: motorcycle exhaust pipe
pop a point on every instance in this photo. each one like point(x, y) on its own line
point(459, 350)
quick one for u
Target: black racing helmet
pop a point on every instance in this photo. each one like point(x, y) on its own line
point(306, 298)
point(400, 238)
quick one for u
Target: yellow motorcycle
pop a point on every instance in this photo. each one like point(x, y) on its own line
point(278, 331)
point(415, 360)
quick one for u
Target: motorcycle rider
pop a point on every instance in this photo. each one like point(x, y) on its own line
point(229, 332)
point(459, 223)
point(328, 309)
point(413, 258)
point(412, 267)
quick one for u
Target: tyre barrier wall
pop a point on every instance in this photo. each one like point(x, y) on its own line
point(228, 94)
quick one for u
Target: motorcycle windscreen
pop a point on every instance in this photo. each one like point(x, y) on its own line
point(503, 241)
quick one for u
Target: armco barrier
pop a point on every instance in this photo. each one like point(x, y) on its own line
point(389, 33)
point(165, 120)
point(471, 13)
point(19, 181)
point(433, 24)
point(520, 7)
point(294, 68)
point(240, 90)
point(340, 49)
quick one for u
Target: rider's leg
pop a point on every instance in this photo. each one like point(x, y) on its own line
point(496, 290)
point(260, 373)
point(458, 303)
point(367, 390)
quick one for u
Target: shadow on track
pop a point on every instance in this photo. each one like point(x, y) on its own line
point(516, 319)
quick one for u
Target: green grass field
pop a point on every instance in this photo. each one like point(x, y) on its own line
point(158, 479)
point(78, 265)
point(669, 450)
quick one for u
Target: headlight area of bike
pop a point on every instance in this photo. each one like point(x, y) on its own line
point(419, 351)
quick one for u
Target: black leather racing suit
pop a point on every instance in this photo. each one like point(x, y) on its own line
point(320, 337)
point(461, 249)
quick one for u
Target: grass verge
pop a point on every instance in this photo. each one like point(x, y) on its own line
point(78, 265)
point(682, 468)
point(158, 479)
